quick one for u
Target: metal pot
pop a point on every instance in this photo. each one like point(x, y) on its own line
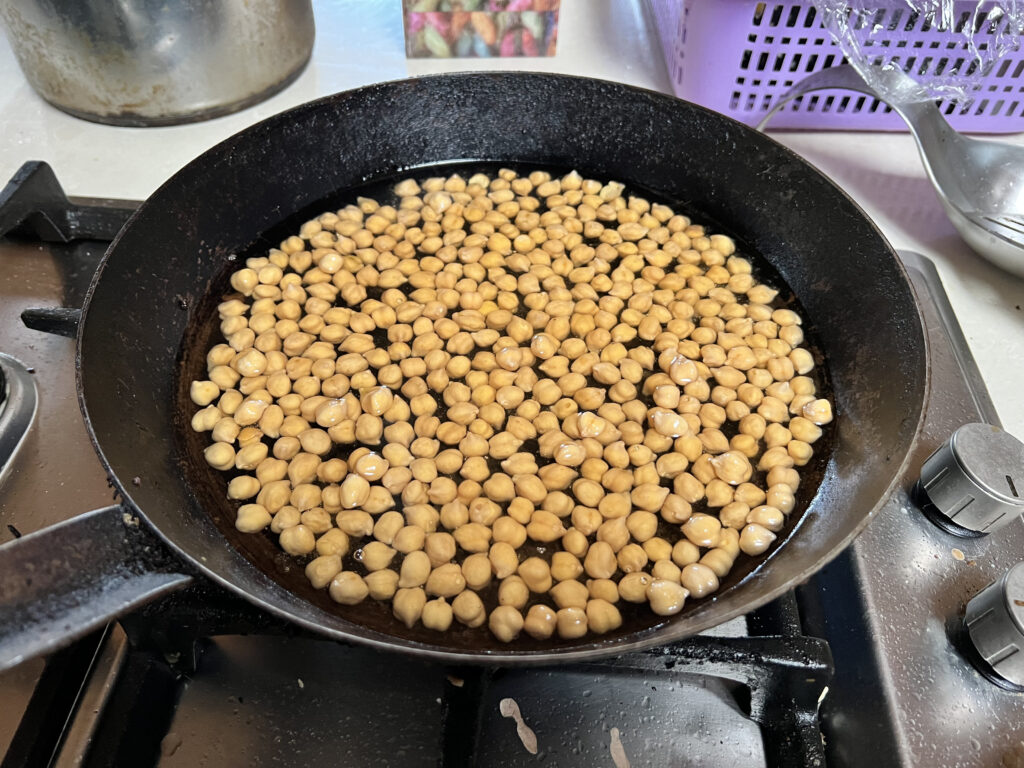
point(154, 62)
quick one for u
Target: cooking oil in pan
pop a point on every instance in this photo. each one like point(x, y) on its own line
point(264, 551)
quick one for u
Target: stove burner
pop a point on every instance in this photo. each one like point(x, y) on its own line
point(18, 401)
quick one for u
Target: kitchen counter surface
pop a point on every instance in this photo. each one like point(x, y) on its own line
point(361, 42)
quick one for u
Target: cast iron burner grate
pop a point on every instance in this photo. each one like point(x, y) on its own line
point(167, 688)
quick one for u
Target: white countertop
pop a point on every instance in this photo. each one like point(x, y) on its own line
point(361, 41)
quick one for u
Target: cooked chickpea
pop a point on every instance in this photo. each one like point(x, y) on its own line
point(666, 597)
point(536, 574)
point(755, 539)
point(469, 609)
point(699, 580)
point(348, 588)
point(252, 518)
point(446, 580)
point(571, 622)
point(602, 616)
point(220, 456)
point(382, 584)
point(505, 623)
point(243, 487)
point(333, 542)
point(437, 615)
point(408, 604)
point(633, 587)
point(540, 622)
point(702, 530)
point(321, 570)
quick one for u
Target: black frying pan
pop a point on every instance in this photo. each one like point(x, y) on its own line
point(146, 326)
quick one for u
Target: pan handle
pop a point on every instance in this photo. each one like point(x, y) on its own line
point(60, 583)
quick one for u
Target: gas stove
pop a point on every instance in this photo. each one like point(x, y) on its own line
point(869, 663)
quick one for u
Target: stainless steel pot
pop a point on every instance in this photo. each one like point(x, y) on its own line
point(158, 62)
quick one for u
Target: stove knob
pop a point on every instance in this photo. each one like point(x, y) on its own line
point(995, 623)
point(974, 483)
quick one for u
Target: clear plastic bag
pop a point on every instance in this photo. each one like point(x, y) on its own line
point(946, 46)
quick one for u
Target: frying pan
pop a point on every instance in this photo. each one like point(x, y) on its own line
point(141, 340)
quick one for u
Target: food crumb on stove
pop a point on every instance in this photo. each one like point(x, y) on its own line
point(137, 481)
point(129, 519)
point(458, 682)
point(14, 531)
point(617, 750)
point(301, 684)
point(958, 555)
point(509, 708)
point(170, 743)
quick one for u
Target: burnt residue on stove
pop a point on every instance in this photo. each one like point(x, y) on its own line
point(262, 550)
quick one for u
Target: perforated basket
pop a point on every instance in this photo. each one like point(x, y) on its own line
point(737, 56)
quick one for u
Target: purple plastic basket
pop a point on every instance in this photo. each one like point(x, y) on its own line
point(737, 56)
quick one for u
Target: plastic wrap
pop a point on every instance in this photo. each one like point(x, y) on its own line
point(947, 47)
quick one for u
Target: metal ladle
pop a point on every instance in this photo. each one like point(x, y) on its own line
point(980, 183)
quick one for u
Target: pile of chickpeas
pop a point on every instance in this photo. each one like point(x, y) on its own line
point(531, 382)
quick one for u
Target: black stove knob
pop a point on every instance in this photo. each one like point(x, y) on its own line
point(974, 483)
point(995, 624)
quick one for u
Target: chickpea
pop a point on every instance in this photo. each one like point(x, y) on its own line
point(204, 392)
point(544, 527)
point(666, 597)
point(536, 574)
point(381, 585)
point(699, 580)
point(602, 616)
point(768, 517)
point(476, 570)
point(702, 530)
point(446, 580)
point(437, 615)
point(781, 497)
point(408, 604)
point(633, 587)
point(415, 570)
point(540, 622)
point(571, 622)
point(505, 623)
point(243, 487)
point(565, 566)
point(600, 561)
point(667, 570)
point(348, 588)
point(252, 518)
point(469, 609)
point(657, 548)
point(322, 570)
point(504, 559)
point(649, 496)
point(333, 542)
point(220, 456)
point(755, 539)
